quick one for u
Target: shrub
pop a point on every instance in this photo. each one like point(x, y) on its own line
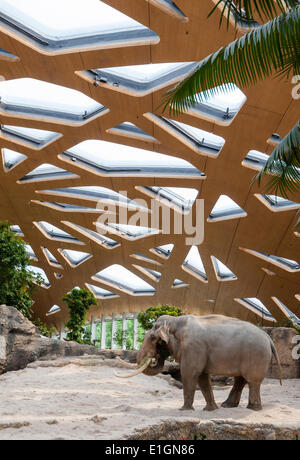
point(79, 302)
point(17, 283)
point(43, 328)
point(148, 318)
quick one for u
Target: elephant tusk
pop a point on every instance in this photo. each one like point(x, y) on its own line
point(138, 371)
point(126, 364)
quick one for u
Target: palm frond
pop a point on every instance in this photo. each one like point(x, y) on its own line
point(246, 9)
point(284, 165)
point(275, 46)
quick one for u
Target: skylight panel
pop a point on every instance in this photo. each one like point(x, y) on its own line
point(108, 158)
point(220, 104)
point(51, 259)
point(101, 293)
point(31, 98)
point(132, 131)
point(54, 309)
point(7, 56)
point(30, 252)
point(193, 264)
point(139, 80)
point(255, 160)
point(17, 230)
point(40, 271)
point(12, 158)
point(200, 141)
point(66, 207)
point(221, 271)
point(256, 306)
point(287, 312)
point(75, 258)
point(33, 138)
point(70, 25)
point(238, 16)
point(153, 274)
point(130, 232)
point(119, 277)
point(55, 233)
point(170, 7)
point(277, 203)
point(281, 262)
point(98, 238)
point(224, 209)
point(144, 258)
point(163, 251)
point(179, 198)
point(179, 284)
point(46, 172)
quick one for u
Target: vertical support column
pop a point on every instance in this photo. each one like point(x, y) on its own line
point(124, 330)
point(135, 331)
point(62, 334)
point(113, 330)
point(103, 333)
point(93, 330)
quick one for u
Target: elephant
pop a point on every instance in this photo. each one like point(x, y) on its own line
point(205, 345)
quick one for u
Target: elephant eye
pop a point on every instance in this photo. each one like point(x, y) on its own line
point(152, 338)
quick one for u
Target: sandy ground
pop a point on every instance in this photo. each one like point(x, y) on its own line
point(84, 400)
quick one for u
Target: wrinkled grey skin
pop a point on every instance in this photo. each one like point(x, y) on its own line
point(213, 344)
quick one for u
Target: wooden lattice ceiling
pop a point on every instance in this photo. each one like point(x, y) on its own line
point(269, 109)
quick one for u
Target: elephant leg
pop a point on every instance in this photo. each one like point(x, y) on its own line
point(206, 388)
point(234, 397)
point(189, 382)
point(254, 396)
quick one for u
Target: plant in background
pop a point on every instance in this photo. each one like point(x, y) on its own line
point(118, 337)
point(148, 318)
point(79, 302)
point(17, 283)
point(43, 328)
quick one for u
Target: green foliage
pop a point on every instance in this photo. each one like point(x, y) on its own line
point(43, 328)
point(271, 48)
point(79, 302)
point(118, 338)
point(17, 283)
point(148, 318)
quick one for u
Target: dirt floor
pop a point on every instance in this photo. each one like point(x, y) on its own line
point(80, 398)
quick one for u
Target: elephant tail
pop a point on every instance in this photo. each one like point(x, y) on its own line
point(275, 354)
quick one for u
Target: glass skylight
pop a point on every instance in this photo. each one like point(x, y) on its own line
point(139, 80)
point(277, 203)
point(193, 264)
point(7, 56)
point(171, 8)
point(220, 104)
point(287, 312)
point(101, 293)
point(50, 258)
point(27, 97)
point(53, 310)
point(55, 233)
point(255, 160)
point(30, 252)
point(34, 138)
point(128, 129)
point(281, 262)
point(178, 284)
point(66, 207)
point(101, 195)
point(107, 158)
point(200, 141)
point(144, 258)
point(68, 25)
point(153, 274)
point(12, 158)
point(47, 172)
point(75, 258)
point(105, 241)
point(163, 251)
point(224, 209)
point(179, 198)
point(39, 271)
point(222, 272)
point(16, 229)
point(239, 17)
point(130, 232)
point(119, 277)
point(256, 306)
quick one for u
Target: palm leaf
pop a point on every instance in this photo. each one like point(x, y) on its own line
point(284, 165)
point(245, 9)
point(275, 46)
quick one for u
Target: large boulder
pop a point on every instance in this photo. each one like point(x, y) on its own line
point(21, 343)
point(284, 341)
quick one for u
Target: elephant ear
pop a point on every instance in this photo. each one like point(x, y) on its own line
point(164, 332)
